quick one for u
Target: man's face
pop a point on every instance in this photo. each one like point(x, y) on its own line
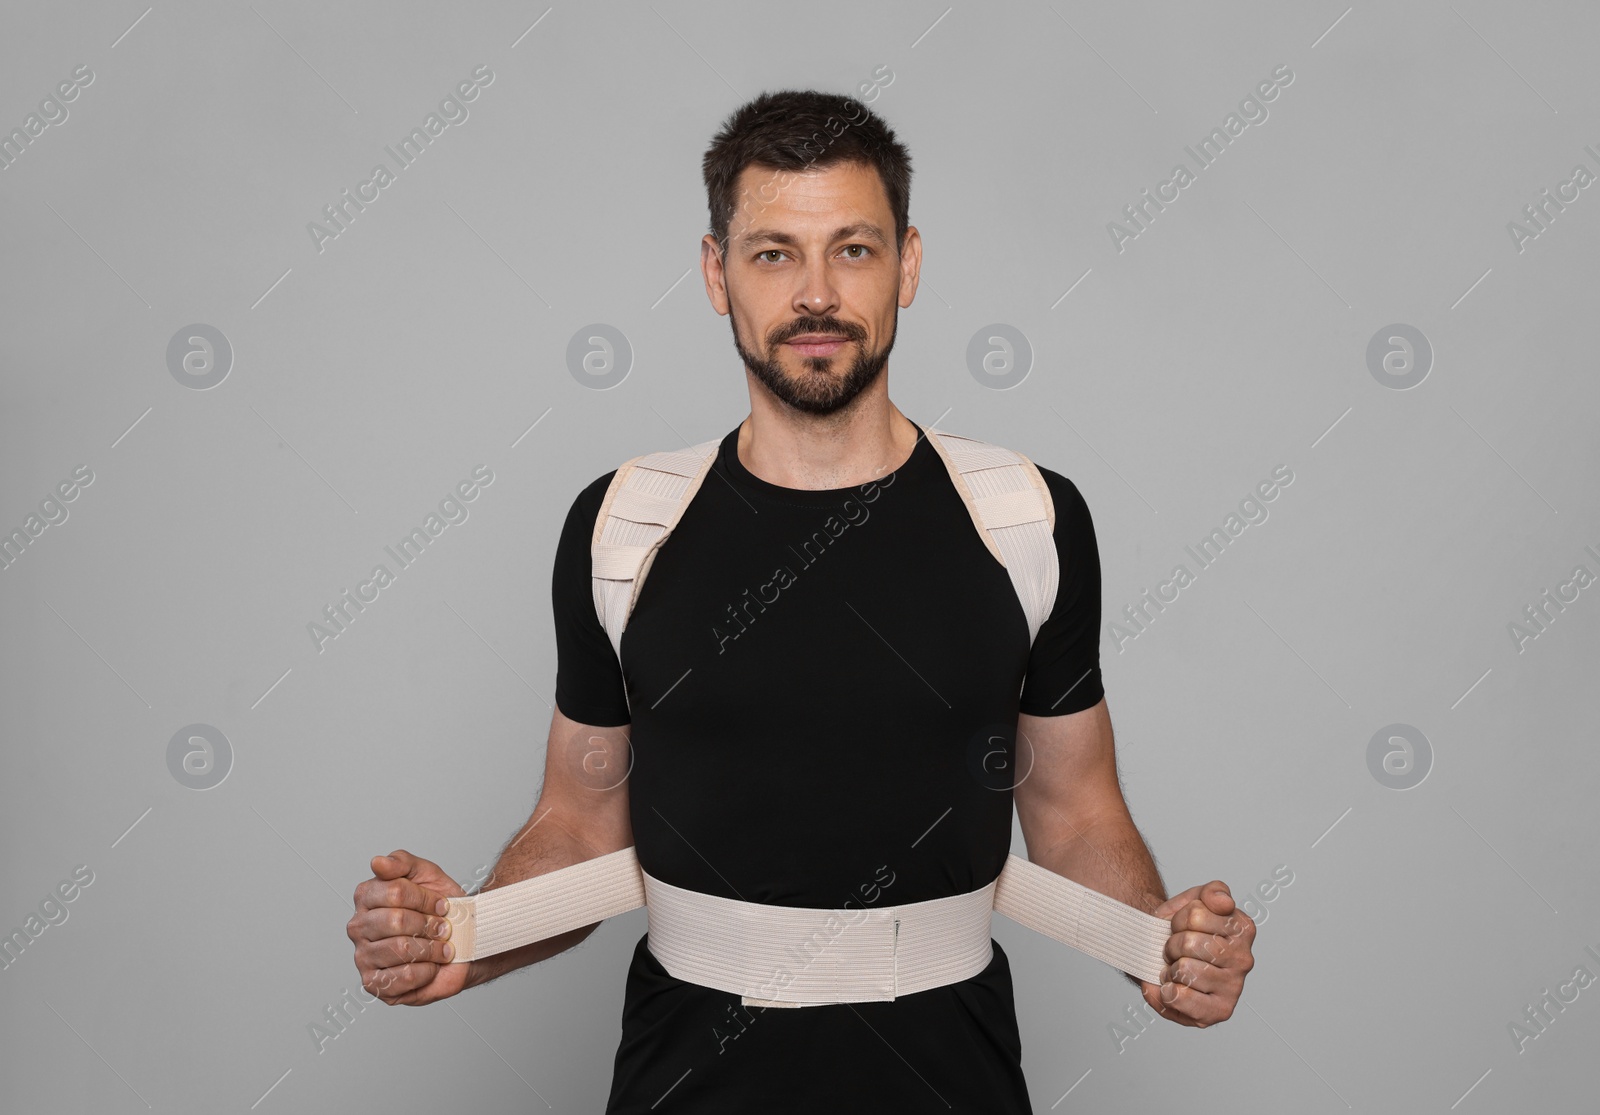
point(812, 283)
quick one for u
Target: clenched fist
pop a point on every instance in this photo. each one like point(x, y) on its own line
point(401, 936)
point(1208, 954)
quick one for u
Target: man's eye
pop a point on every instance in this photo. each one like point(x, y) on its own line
point(763, 256)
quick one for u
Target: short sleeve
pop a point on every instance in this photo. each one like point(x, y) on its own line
point(589, 686)
point(1064, 664)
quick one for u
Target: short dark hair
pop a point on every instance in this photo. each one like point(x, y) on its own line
point(795, 129)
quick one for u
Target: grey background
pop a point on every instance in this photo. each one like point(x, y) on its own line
point(369, 378)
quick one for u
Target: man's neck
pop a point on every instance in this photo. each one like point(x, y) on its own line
point(813, 452)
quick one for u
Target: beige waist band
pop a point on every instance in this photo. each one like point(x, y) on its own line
point(799, 956)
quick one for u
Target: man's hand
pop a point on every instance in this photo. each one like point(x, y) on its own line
point(1208, 954)
point(401, 936)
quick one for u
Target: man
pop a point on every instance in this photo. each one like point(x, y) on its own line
point(814, 684)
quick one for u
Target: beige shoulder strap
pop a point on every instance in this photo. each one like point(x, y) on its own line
point(1006, 496)
point(643, 504)
point(1011, 506)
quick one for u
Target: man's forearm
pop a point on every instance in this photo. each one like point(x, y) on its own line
point(1108, 856)
point(543, 846)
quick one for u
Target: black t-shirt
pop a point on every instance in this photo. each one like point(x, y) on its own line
point(820, 683)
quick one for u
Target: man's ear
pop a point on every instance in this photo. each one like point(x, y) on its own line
point(713, 258)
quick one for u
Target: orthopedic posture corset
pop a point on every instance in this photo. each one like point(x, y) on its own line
point(798, 956)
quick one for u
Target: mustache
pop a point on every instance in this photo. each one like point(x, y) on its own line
point(825, 327)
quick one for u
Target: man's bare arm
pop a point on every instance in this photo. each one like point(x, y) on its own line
point(582, 813)
point(1074, 819)
point(1076, 823)
point(400, 933)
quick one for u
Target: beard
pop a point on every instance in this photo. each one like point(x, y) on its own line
point(820, 387)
